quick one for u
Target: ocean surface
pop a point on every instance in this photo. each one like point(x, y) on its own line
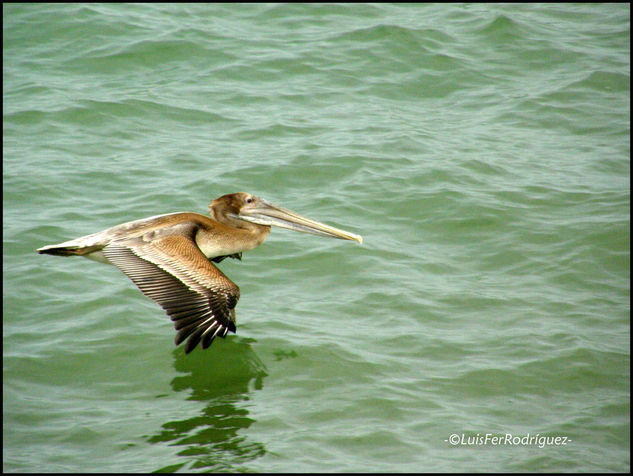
point(483, 152)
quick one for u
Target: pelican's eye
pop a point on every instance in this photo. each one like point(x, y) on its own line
point(250, 200)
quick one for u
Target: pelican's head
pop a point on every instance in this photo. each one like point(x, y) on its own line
point(238, 209)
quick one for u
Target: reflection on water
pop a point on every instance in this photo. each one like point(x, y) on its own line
point(222, 377)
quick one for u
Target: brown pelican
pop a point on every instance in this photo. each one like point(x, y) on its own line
point(169, 258)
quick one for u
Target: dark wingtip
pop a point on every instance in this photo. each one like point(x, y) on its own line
point(205, 340)
point(193, 341)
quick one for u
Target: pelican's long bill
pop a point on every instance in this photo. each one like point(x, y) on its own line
point(262, 212)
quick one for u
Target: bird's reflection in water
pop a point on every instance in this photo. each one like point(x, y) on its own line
point(222, 377)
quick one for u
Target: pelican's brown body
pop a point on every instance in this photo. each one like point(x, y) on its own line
point(169, 258)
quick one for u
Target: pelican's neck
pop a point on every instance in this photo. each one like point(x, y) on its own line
point(221, 239)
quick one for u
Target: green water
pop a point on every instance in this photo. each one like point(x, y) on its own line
point(483, 152)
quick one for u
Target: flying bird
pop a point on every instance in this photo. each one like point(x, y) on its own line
point(169, 258)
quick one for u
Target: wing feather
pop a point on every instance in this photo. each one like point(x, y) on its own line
point(172, 271)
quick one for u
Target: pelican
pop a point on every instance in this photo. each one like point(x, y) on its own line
point(169, 258)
